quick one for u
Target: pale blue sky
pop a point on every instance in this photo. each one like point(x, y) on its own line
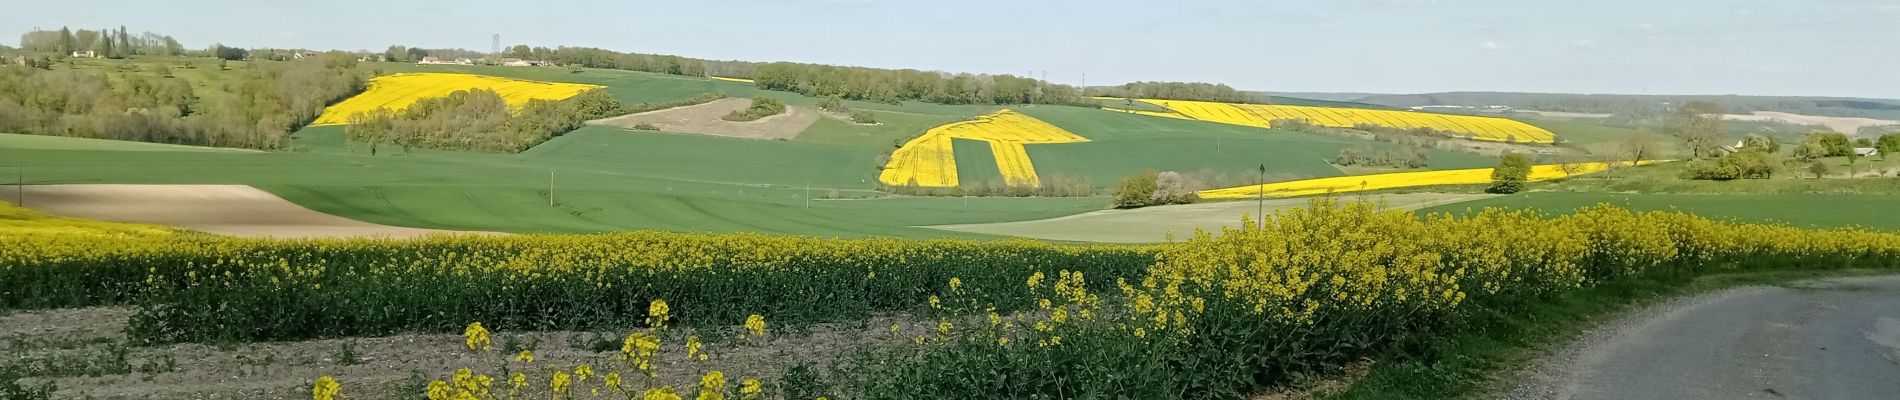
point(1763, 47)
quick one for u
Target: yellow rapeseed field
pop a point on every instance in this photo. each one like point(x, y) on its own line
point(1261, 115)
point(1354, 183)
point(930, 161)
point(398, 91)
point(740, 80)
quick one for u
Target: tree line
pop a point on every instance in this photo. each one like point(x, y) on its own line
point(1191, 91)
point(107, 43)
point(479, 120)
point(265, 102)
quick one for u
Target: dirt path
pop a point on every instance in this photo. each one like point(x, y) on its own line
point(235, 210)
point(706, 119)
point(1822, 339)
point(1154, 224)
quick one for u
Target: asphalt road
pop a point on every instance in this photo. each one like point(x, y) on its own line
point(1824, 339)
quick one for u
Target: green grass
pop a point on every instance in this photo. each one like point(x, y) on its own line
point(1124, 144)
point(1599, 138)
point(1872, 211)
point(1499, 337)
point(605, 180)
point(976, 165)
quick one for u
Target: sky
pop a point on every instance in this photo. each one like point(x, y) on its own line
point(1751, 47)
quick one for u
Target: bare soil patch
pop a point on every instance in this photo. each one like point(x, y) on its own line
point(235, 210)
point(1847, 125)
point(706, 119)
point(399, 366)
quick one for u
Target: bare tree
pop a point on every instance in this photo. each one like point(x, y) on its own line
point(1698, 125)
point(1637, 147)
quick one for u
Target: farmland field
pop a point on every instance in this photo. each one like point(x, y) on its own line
point(1870, 211)
point(1262, 116)
point(397, 91)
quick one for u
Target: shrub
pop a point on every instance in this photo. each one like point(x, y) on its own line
point(1512, 171)
point(1172, 188)
point(1136, 191)
point(1269, 303)
point(761, 107)
point(863, 117)
point(834, 103)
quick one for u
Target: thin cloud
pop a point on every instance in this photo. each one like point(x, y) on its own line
point(1491, 45)
point(1585, 43)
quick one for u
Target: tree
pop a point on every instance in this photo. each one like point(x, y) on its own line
point(1888, 144)
point(1820, 144)
point(67, 43)
point(229, 53)
point(1136, 191)
point(1698, 125)
point(1637, 147)
point(1172, 188)
point(1512, 171)
point(1818, 168)
point(1762, 143)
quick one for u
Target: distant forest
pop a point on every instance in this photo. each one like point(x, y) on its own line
point(1645, 106)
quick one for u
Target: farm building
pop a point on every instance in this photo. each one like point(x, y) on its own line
point(1866, 151)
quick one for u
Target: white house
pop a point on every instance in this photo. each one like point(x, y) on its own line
point(1866, 151)
point(516, 62)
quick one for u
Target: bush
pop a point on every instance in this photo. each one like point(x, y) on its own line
point(1512, 172)
point(479, 120)
point(761, 107)
point(1301, 294)
point(1172, 188)
point(834, 103)
point(1136, 191)
point(863, 117)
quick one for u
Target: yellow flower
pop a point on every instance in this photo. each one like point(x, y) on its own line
point(661, 393)
point(582, 372)
point(956, 284)
point(712, 386)
point(1002, 341)
point(526, 357)
point(518, 380)
point(657, 313)
point(476, 337)
point(612, 380)
point(559, 382)
point(751, 388)
point(692, 348)
point(894, 329)
point(438, 390)
point(325, 389)
point(1035, 280)
point(1044, 304)
point(755, 324)
point(935, 303)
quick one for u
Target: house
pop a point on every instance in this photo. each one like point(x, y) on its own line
point(1866, 151)
point(516, 62)
point(432, 60)
point(85, 54)
point(303, 55)
point(464, 61)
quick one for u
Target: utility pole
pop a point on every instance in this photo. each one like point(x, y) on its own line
point(550, 187)
point(1260, 207)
